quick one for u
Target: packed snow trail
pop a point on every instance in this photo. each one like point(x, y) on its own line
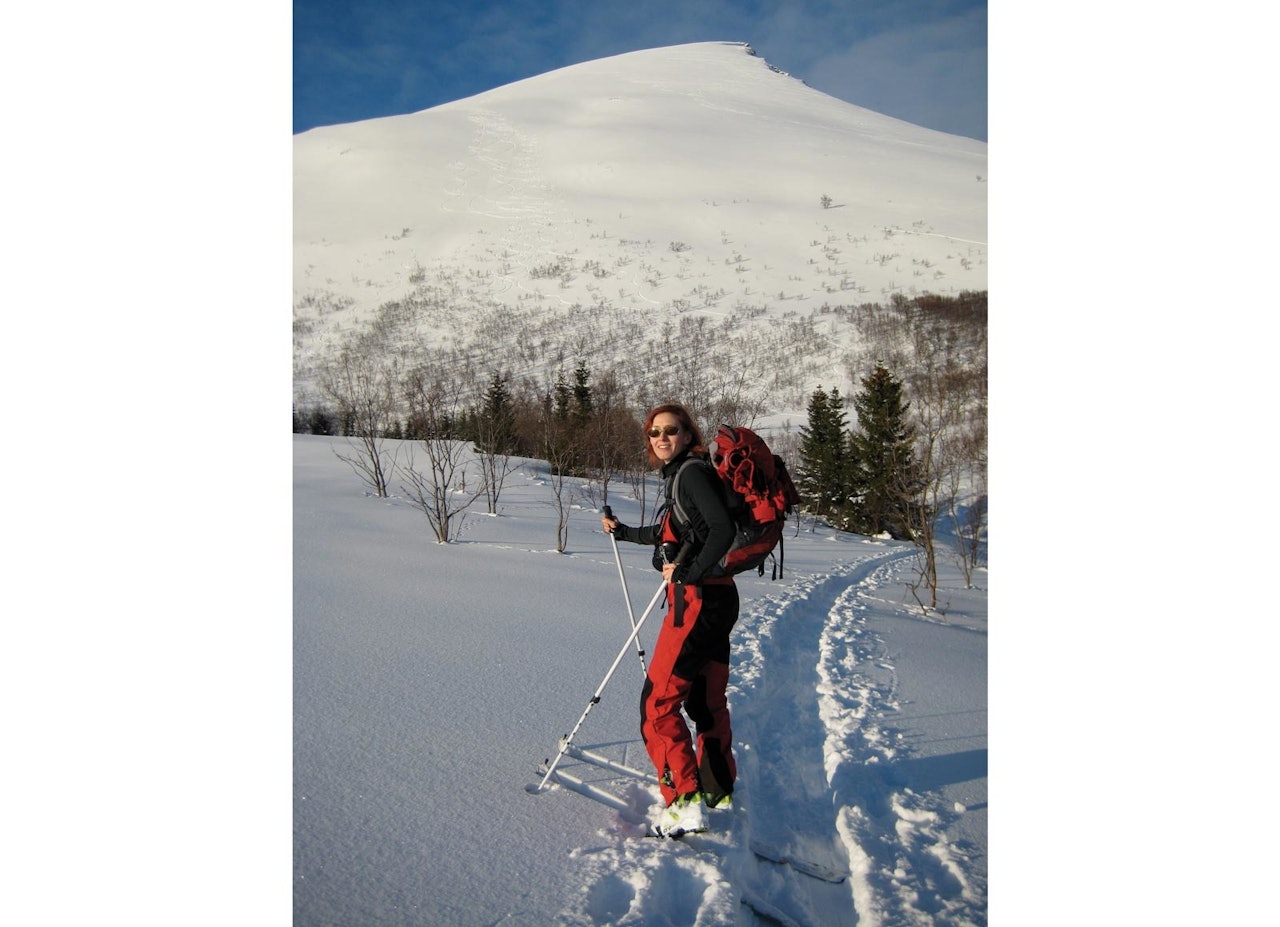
point(851, 845)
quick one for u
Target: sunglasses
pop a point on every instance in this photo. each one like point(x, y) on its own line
point(664, 430)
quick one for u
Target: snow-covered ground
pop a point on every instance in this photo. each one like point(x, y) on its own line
point(430, 681)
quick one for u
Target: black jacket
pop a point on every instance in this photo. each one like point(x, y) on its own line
point(702, 497)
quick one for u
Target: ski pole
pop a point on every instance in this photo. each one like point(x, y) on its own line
point(608, 513)
point(565, 741)
point(568, 739)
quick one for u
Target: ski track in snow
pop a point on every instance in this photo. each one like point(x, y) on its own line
point(903, 868)
point(810, 690)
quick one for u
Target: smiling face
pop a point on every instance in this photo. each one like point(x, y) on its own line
point(672, 437)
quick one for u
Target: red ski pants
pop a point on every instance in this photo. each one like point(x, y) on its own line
point(689, 669)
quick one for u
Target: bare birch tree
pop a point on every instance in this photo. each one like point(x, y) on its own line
point(438, 487)
point(943, 400)
point(606, 446)
point(968, 509)
point(561, 449)
point(495, 441)
point(559, 460)
point(363, 385)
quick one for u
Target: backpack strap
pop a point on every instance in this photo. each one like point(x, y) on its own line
point(678, 510)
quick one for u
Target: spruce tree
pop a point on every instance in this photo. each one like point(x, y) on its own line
point(823, 477)
point(884, 459)
point(562, 396)
point(320, 422)
point(843, 483)
point(496, 431)
point(559, 432)
point(582, 400)
point(813, 449)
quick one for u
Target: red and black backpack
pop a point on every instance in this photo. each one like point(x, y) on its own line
point(760, 495)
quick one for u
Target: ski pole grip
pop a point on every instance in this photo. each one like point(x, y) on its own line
point(608, 512)
point(684, 550)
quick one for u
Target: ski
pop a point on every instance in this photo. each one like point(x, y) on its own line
point(770, 913)
point(773, 854)
point(759, 847)
point(587, 756)
point(582, 787)
point(654, 834)
point(761, 850)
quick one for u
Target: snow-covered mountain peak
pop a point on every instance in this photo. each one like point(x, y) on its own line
point(691, 181)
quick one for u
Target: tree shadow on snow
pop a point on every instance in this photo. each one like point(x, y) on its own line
point(870, 786)
point(930, 773)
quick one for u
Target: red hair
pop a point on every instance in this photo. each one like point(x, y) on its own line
point(686, 422)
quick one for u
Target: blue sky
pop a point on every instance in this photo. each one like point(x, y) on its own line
point(924, 61)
